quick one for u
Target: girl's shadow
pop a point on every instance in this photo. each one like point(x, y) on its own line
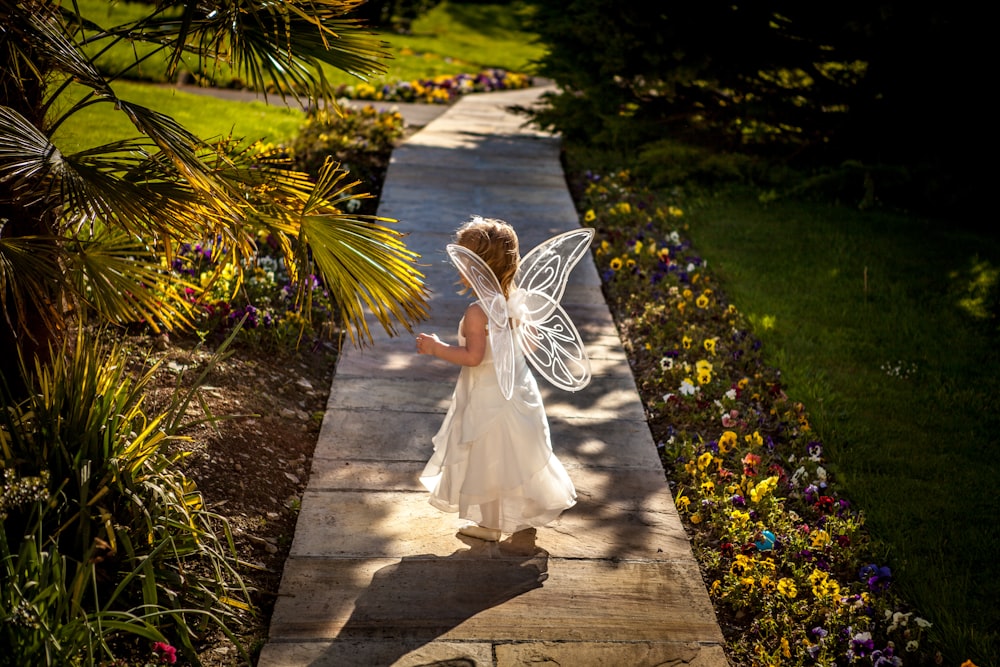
point(412, 602)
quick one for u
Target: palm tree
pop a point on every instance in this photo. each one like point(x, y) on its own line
point(93, 232)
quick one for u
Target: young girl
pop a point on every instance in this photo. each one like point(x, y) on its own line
point(493, 462)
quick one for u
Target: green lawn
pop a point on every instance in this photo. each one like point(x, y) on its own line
point(450, 39)
point(876, 322)
point(206, 117)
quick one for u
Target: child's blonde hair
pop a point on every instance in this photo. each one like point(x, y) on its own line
point(495, 241)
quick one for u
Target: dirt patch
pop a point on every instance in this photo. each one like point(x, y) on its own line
point(252, 462)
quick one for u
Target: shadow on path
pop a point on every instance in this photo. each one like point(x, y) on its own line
point(392, 612)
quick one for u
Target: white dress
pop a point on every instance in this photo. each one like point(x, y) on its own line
point(491, 450)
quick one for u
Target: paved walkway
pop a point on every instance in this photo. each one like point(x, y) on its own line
point(376, 576)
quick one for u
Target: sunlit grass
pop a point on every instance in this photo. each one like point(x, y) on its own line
point(206, 117)
point(868, 317)
point(448, 40)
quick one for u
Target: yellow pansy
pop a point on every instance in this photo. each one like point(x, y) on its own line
point(820, 539)
point(590, 216)
point(686, 342)
point(787, 588)
point(727, 442)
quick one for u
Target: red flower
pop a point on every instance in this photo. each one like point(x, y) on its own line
point(165, 652)
point(824, 504)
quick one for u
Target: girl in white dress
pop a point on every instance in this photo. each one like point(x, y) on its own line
point(493, 462)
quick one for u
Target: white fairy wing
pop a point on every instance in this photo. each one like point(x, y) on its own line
point(546, 333)
point(487, 289)
point(555, 349)
point(545, 270)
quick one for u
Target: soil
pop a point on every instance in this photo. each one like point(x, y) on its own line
point(251, 465)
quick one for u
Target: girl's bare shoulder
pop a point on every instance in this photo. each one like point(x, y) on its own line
point(475, 312)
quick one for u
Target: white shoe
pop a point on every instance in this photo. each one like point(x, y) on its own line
point(480, 533)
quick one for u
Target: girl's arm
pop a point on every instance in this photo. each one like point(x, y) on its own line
point(474, 332)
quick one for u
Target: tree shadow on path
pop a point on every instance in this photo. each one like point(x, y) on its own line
point(413, 602)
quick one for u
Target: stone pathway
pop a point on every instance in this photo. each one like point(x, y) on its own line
point(376, 576)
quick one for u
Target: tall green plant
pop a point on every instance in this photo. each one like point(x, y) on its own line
point(99, 516)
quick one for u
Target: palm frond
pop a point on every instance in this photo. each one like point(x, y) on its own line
point(119, 183)
point(125, 281)
point(30, 275)
point(279, 45)
point(51, 42)
point(363, 263)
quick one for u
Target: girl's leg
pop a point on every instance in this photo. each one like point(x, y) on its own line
point(491, 514)
point(489, 528)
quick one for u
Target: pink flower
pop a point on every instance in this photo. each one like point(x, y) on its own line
point(165, 652)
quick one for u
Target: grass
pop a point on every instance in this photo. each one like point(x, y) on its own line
point(204, 116)
point(486, 36)
point(876, 321)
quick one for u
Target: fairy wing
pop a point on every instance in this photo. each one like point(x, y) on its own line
point(480, 277)
point(546, 333)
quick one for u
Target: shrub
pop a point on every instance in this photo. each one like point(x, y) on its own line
point(103, 536)
point(360, 139)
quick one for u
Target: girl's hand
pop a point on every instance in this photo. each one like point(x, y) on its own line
point(427, 343)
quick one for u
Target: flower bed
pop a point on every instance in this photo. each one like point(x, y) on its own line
point(787, 560)
point(264, 298)
point(442, 89)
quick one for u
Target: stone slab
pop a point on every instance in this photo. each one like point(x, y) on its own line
point(354, 434)
point(473, 596)
point(473, 654)
point(618, 515)
point(352, 653)
point(390, 435)
point(611, 654)
point(606, 397)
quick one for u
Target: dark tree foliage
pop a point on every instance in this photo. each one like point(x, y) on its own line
point(881, 82)
point(397, 14)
